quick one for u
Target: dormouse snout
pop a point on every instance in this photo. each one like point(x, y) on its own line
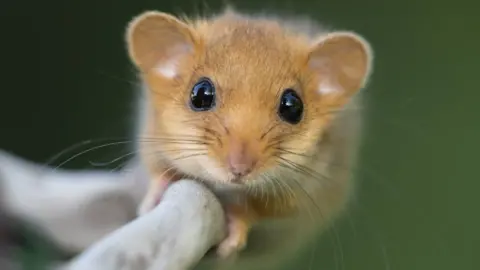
point(241, 158)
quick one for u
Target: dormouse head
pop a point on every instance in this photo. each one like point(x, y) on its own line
point(237, 99)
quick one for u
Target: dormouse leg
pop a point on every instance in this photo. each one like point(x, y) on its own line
point(239, 222)
point(157, 187)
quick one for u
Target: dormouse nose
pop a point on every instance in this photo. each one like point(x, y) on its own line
point(240, 159)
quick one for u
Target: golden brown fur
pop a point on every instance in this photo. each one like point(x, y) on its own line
point(302, 178)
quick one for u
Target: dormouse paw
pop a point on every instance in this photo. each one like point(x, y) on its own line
point(147, 205)
point(153, 196)
point(236, 239)
point(230, 247)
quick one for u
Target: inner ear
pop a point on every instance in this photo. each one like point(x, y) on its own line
point(159, 42)
point(342, 62)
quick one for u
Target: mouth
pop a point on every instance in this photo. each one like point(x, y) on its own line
point(237, 180)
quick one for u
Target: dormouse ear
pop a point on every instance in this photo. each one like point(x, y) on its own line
point(342, 61)
point(158, 42)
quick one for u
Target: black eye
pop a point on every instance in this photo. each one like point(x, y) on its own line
point(291, 107)
point(202, 97)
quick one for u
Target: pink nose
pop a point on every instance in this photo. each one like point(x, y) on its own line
point(240, 169)
point(240, 163)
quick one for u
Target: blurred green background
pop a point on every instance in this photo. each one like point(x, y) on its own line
point(66, 79)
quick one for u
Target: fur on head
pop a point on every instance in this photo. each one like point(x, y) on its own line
point(243, 123)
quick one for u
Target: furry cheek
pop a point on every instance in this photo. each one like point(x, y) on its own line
point(213, 171)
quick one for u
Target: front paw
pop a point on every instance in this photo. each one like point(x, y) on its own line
point(148, 204)
point(236, 239)
point(153, 197)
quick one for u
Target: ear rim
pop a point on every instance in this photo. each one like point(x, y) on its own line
point(362, 41)
point(133, 24)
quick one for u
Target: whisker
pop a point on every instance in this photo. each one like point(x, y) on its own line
point(177, 138)
point(269, 130)
point(165, 140)
point(87, 151)
point(216, 135)
point(220, 121)
point(101, 164)
point(288, 188)
point(362, 170)
point(183, 142)
point(190, 156)
point(336, 234)
point(118, 140)
point(302, 169)
point(79, 144)
point(291, 152)
point(310, 214)
point(280, 193)
point(181, 150)
point(121, 166)
point(70, 148)
point(276, 140)
point(284, 190)
point(264, 193)
point(162, 152)
point(211, 131)
point(336, 242)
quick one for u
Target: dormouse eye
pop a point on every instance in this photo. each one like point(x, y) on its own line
point(291, 107)
point(202, 97)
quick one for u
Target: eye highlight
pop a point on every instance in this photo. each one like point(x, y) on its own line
point(202, 96)
point(290, 109)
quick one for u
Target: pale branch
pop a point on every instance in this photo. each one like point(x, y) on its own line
point(93, 213)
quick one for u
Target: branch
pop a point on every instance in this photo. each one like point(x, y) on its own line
point(93, 213)
point(175, 235)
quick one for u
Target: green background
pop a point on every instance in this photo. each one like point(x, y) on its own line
point(66, 79)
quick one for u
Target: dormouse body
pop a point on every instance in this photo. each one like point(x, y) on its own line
point(258, 108)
